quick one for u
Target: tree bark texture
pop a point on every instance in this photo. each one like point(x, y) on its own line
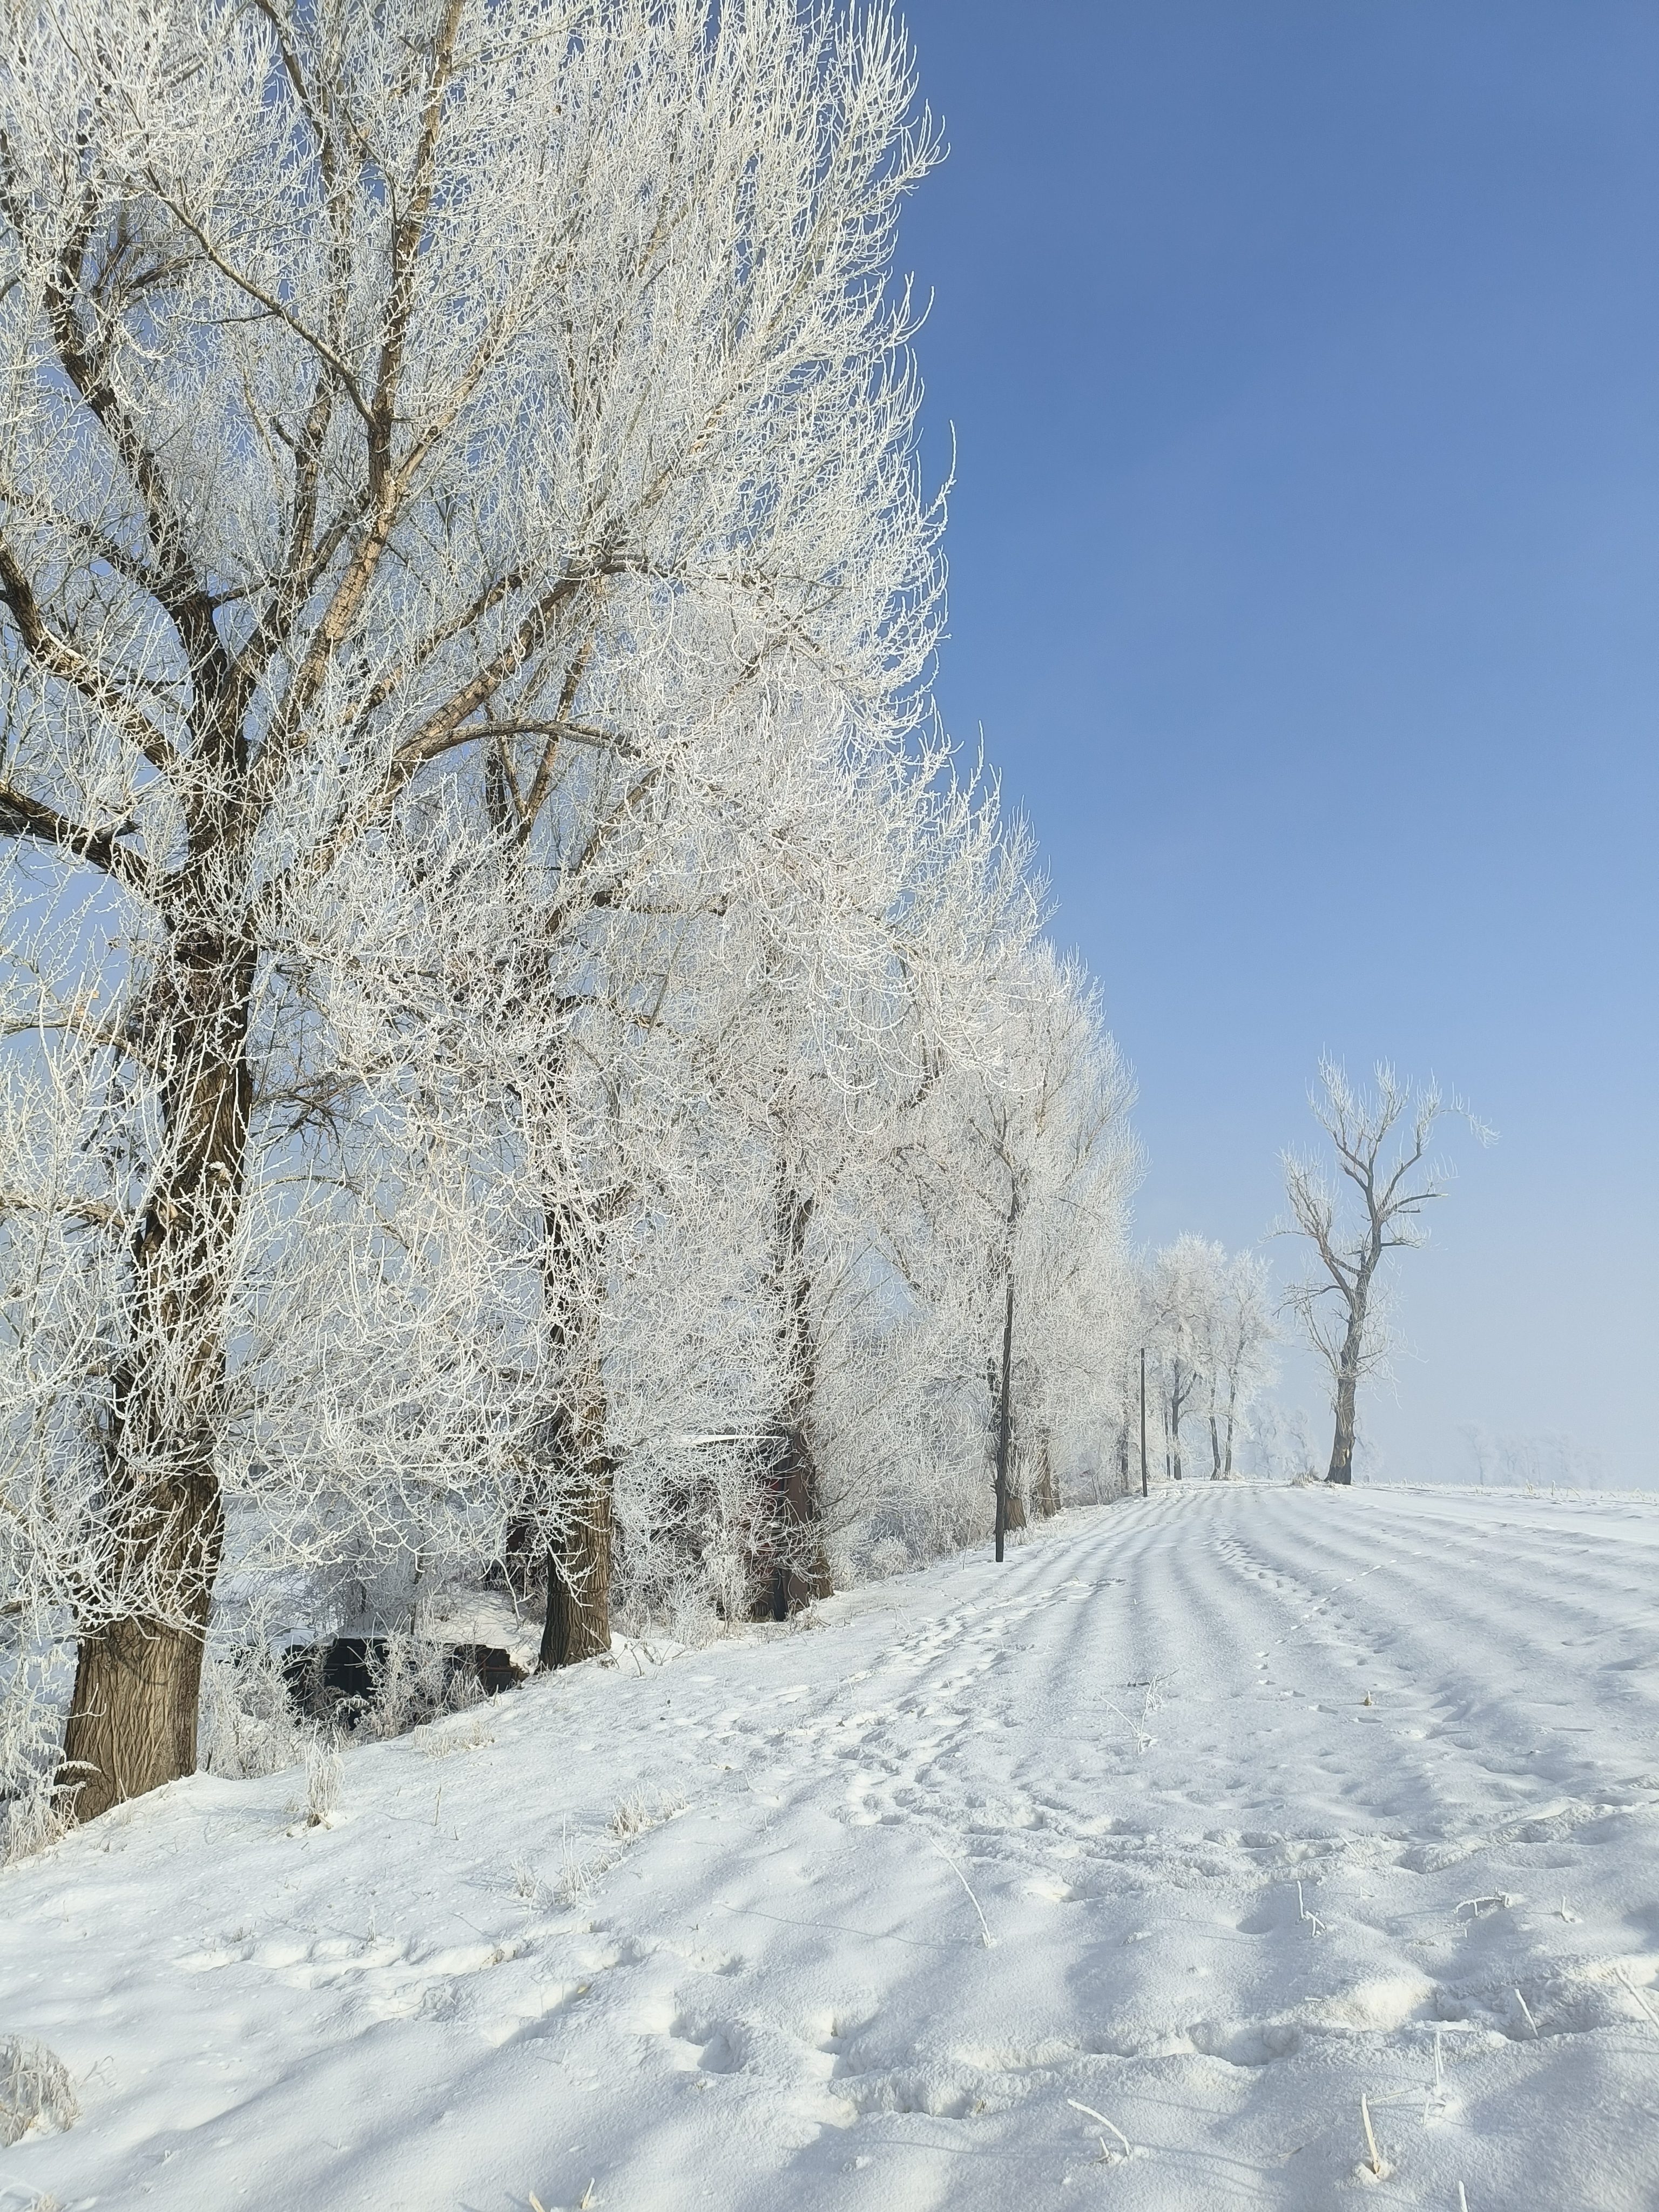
point(1232, 1423)
point(789, 1567)
point(577, 1474)
point(132, 1720)
point(1045, 1491)
point(1341, 1467)
point(1347, 1380)
point(578, 1620)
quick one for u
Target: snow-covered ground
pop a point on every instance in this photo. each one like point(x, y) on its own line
point(705, 1929)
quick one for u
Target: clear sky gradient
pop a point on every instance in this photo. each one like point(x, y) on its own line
point(1301, 357)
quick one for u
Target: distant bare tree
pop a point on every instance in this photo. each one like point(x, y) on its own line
point(1392, 1196)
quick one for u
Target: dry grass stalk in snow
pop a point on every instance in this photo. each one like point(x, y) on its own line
point(1648, 2011)
point(986, 1936)
point(324, 1771)
point(644, 1809)
point(1378, 2167)
point(527, 1886)
point(1089, 2109)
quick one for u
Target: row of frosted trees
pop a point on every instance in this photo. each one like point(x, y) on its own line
point(1199, 1324)
point(523, 1053)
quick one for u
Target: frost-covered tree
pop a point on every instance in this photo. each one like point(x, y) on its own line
point(1198, 1322)
point(818, 1014)
point(385, 390)
point(1180, 1298)
point(1238, 1353)
point(1337, 1301)
point(1032, 1210)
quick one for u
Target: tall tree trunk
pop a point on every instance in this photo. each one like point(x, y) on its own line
point(790, 1567)
point(1233, 1414)
point(579, 1473)
point(1341, 1467)
point(577, 1625)
point(1347, 1384)
point(793, 1567)
point(1176, 1408)
point(1045, 1491)
point(132, 1716)
point(1016, 1516)
point(1145, 1489)
point(1215, 1446)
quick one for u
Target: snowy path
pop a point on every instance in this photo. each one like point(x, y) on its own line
point(1131, 1743)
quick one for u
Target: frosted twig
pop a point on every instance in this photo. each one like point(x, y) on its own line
point(984, 1930)
point(1526, 2014)
point(1625, 1977)
point(1129, 2148)
point(1371, 2137)
point(1151, 1699)
point(1437, 2096)
point(1315, 1925)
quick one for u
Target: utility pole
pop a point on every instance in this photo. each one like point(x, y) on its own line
point(1143, 1490)
point(1004, 1403)
point(1004, 1413)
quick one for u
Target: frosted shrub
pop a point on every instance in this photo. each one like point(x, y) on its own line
point(35, 1675)
point(248, 1722)
point(414, 1680)
point(888, 1555)
point(33, 1823)
point(35, 2087)
point(36, 1671)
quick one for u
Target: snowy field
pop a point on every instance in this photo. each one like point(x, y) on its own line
point(1266, 1797)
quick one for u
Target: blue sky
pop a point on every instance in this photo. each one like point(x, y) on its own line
point(1301, 357)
